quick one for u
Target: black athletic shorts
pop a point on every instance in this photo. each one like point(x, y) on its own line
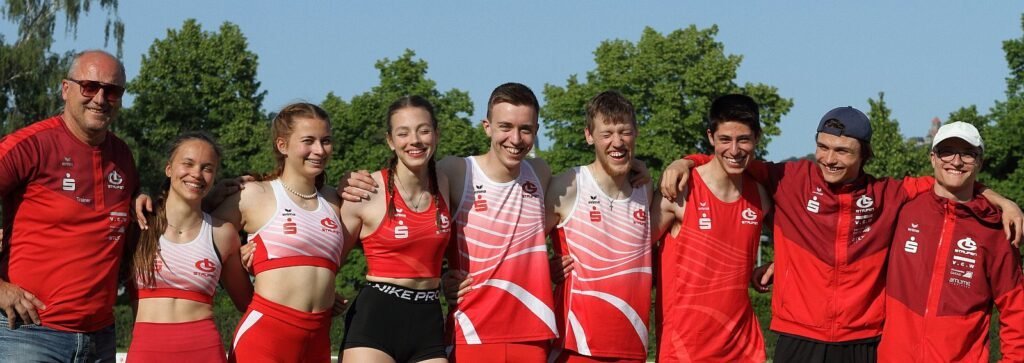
point(791, 348)
point(406, 324)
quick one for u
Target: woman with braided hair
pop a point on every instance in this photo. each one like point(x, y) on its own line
point(179, 261)
point(404, 233)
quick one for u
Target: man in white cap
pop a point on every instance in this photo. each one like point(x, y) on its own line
point(949, 263)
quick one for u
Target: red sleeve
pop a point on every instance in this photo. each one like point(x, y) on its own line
point(915, 185)
point(16, 167)
point(1008, 290)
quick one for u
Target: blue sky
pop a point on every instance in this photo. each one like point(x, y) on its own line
point(929, 57)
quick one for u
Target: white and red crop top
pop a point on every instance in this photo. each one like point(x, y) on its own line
point(298, 237)
point(187, 270)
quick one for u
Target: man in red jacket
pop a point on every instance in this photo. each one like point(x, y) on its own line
point(949, 264)
point(66, 185)
point(833, 226)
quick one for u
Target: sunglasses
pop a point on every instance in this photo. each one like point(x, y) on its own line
point(111, 92)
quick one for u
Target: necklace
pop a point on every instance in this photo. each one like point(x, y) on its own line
point(300, 195)
point(181, 231)
point(415, 202)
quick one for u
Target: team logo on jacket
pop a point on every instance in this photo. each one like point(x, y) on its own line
point(813, 205)
point(401, 230)
point(114, 180)
point(910, 246)
point(595, 215)
point(704, 222)
point(67, 163)
point(865, 202)
point(68, 183)
point(965, 256)
point(480, 204)
point(749, 216)
point(290, 227)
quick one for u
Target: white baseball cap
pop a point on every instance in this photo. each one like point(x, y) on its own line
point(960, 130)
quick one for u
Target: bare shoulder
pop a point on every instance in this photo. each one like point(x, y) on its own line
point(225, 233)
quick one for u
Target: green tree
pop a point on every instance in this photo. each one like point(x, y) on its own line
point(198, 80)
point(671, 80)
point(895, 156)
point(359, 128)
point(1003, 152)
point(29, 73)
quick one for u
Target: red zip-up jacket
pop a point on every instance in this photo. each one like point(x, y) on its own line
point(831, 243)
point(949, 263)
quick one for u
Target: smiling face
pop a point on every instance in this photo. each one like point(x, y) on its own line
point(511, 129)
point(956, 163)
point(308, 149)
point(91, 116)
point(734, 145)
point(839, 157)
point(613, 142)
point(192, 168)
point(412, 136)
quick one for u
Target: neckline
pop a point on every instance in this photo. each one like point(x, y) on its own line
point(202, 229)
point(593, 181)
point(399, 199)
point(279, 186)
point(697, 178)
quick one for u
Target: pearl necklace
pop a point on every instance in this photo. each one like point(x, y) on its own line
point(300, 195)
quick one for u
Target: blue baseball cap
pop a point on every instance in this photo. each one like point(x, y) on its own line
point(846, 121)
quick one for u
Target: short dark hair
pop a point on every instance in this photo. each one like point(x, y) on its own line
point(615, 107)
point(735, 108)
point(514, 93)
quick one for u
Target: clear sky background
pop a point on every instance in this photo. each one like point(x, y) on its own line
point(929, 57)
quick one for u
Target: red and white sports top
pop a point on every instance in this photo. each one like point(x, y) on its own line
point(500, 243)
point(705, 308)
point(409, 244)
point(298, 237)
point(187, 270)
point(605, 304)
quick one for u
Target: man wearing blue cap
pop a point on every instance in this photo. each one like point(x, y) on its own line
point(833, 227)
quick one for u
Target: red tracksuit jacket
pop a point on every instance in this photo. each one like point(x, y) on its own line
point(949, 263)
point(831, 244)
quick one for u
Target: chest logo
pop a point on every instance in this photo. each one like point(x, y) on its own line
point(813, 205)
point(749, 215)
point(328, 223)
point(445, 222)
point(529, 187)
point(206, 265)
point(910, 246)
point(967, 244)
point(290, 227)
point(704, 222)
point(67, 163)
point(480, 204)
point(595, 215)
point(115, 180)
point(865, 202)
point(401, 230)
point(68, 183)
point(640, 215)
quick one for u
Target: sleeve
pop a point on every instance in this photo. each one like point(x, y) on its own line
point(1008, 292)
point(914, 185)
point(16, 166)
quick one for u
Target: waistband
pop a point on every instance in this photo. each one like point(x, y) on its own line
point(280, 262)
point(404, 293)
point(172, 337)
point(146, 293)
point(289, 315)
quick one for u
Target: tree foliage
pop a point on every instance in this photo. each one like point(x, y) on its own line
point(29, 73)
point(359, 128)
point(198, 80)
point(671, 80)
point(895, 156)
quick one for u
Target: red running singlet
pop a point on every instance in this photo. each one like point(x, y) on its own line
point(188, 270)
point(410, 243)
point(604, 306)
point(298, 237)
point(500, 243)
point(705, 309)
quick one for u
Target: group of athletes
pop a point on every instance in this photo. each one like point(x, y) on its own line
point(70, 188)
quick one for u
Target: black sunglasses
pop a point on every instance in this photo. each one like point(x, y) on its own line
point(111, 92)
